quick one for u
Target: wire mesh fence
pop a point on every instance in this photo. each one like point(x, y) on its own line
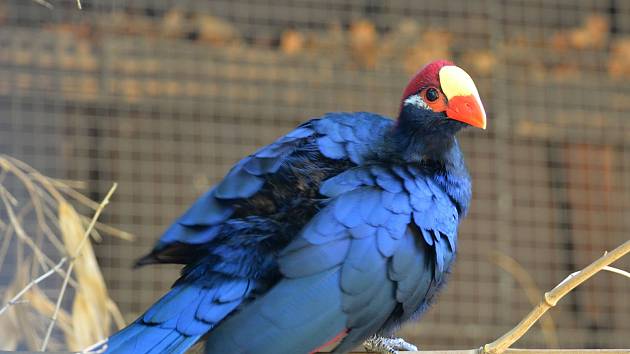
point(164, 96)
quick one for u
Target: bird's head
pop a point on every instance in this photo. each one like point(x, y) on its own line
point(442, 96)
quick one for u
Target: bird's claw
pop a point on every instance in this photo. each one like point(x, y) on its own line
point(386, 345)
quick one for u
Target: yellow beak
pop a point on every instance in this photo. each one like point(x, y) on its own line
point(463, 103)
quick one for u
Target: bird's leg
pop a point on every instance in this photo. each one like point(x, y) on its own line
point(385, 345)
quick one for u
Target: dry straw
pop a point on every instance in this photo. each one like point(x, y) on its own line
point(50, 6)
point(56, 228)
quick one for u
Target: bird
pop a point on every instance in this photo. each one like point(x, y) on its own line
point(332, 236)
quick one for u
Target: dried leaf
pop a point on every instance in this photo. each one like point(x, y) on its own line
point(90, 317)
point(42, 304)
point(618, 64)
point(363, 44)
point(217, 31)
point(291, 42)
point(9, 326)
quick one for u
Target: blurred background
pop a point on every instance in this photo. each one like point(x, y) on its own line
point(164, 96)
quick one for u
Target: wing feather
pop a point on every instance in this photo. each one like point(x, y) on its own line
point(334, 136)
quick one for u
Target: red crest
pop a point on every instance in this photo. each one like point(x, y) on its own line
point(427, 76)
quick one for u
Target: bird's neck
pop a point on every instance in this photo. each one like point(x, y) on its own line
point(412, 140)
point(418, 145)
point(437, 152)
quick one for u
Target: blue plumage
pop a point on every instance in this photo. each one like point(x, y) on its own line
point(344, 227)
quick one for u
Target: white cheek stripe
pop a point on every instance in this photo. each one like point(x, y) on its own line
point(417, 101)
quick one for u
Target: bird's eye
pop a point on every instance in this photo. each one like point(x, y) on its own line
point(432, 94)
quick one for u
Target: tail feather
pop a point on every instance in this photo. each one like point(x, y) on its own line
point(150, 339)
point(182, 316)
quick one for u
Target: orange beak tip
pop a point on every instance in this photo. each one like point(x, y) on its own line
point(467, 109)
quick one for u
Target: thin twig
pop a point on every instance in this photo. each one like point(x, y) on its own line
point(532, 290)
point(119, 320)
point(28, 176)
point(552, 297)
point(44, 260)
point(8, 234)
point(19, 231)
point(44, 3)
point(16, 299)
point(94, 219)
point(110, 230)
point(10, 196)
point(77, 252)
point(98, 347)
point(617, 270)
point(70, 183)
point(67, 189)
point(4, 247)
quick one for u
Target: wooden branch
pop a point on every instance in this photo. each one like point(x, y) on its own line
point(552, 297)
point(77, 252)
